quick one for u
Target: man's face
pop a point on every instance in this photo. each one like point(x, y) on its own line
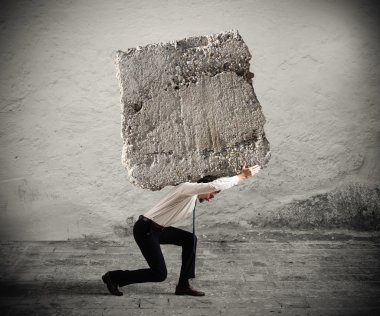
point(206, 196)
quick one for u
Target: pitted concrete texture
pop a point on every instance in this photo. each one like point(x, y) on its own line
point(251, 273)
point(189, 110)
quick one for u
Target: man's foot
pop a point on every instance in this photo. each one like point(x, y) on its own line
point(188, 291)
point(111, 286)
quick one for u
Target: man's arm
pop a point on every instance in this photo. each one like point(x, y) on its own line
point(219, 184)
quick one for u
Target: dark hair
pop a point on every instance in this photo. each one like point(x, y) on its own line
point(207, 179)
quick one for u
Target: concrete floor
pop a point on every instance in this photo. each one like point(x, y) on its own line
point(249, 273)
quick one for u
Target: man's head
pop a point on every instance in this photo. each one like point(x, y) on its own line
point(207, 196)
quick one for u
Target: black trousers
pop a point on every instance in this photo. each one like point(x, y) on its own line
point(149, 238)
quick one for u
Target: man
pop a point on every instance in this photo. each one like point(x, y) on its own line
point(154, 228)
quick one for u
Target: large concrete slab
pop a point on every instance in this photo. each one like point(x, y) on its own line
point(189, 110)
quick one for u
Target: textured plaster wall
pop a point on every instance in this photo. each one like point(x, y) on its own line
point(316, 77)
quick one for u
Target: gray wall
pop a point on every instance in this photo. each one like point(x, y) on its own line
point(316, 77)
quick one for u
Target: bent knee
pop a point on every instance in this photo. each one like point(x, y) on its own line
point(190, 240)
point(161, 275)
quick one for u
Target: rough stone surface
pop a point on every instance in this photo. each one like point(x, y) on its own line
point(189, 110)
point(351, 206)
point(256, 273)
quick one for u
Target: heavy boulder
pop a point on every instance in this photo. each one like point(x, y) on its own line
point(189, 110)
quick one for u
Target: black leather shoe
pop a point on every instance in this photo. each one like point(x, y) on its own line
point(188, 291)
point(111, 286)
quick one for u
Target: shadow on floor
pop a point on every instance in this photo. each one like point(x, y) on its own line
point(37, 288)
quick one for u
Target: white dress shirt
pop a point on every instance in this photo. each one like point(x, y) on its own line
point(179, 202)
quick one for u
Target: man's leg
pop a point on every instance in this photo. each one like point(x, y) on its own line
point(179, 237)
point(148, 242)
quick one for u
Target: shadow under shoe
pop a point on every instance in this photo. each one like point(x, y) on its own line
point(188, 291)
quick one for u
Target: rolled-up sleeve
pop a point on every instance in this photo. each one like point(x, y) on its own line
point(220, 184)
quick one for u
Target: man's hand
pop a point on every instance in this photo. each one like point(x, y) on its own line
point(247, 172)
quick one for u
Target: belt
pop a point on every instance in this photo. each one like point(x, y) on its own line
point(153, 224)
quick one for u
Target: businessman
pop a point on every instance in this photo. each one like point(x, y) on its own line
point(154, 228)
